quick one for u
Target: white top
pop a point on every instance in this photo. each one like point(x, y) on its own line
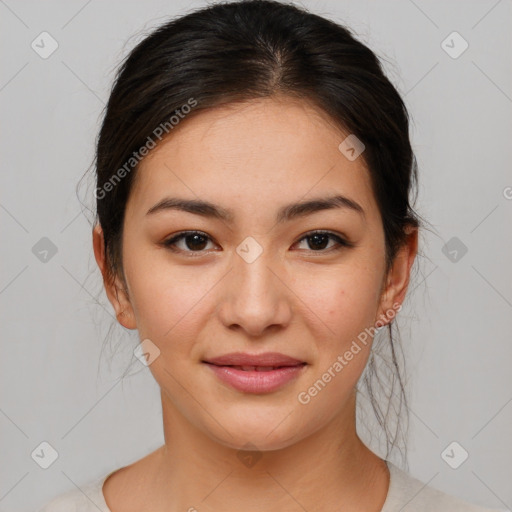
point(405, 494)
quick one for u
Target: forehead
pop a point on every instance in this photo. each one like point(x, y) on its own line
point(252, 154)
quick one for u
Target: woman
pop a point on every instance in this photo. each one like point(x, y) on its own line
point(254, 225)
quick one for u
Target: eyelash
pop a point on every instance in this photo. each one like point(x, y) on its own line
point(342, 243)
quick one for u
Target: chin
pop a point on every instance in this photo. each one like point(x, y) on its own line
point(256, 435)
point(259, 442)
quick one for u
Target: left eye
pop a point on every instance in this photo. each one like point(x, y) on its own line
point(195, 241)
point(319, 239)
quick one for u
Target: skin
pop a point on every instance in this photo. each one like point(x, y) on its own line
point(296, 299)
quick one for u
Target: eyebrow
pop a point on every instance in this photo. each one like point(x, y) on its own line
point(285, 214)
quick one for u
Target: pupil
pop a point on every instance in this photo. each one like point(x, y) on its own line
point(195, 241)
point(316, 240)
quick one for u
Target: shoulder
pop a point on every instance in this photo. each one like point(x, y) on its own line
point(88, 498)
point(408, 494)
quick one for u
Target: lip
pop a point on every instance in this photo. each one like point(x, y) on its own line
point(244, 359)
point(256, 377)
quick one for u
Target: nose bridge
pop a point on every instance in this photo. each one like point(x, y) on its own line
point(257, 297)
point(254, 278)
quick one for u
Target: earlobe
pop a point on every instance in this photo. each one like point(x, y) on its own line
point(114, 288)
point(126, 318)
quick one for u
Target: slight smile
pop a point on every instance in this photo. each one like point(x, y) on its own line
point(256, 373)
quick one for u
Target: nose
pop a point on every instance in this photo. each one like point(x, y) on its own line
point(255, 297)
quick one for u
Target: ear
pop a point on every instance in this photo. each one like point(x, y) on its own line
point(114, 287)
point(397, 279)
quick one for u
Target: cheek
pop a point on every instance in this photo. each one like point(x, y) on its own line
point(344, 299)
point(167, 302)
point(345, 302)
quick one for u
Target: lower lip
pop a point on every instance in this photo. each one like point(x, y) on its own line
point(254, 381)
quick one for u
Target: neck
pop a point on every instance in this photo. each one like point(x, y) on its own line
point(329, 467)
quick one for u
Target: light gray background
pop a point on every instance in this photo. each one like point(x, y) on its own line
point(455, 328)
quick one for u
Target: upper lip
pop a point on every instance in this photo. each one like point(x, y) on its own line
point(243, 359)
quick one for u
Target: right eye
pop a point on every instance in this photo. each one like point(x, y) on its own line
point(191, 241)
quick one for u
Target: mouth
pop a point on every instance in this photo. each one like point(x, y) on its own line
point(257, 368)
point(256, 378)
point(246, 360)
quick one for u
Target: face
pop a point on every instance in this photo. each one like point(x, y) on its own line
point(251, 273)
